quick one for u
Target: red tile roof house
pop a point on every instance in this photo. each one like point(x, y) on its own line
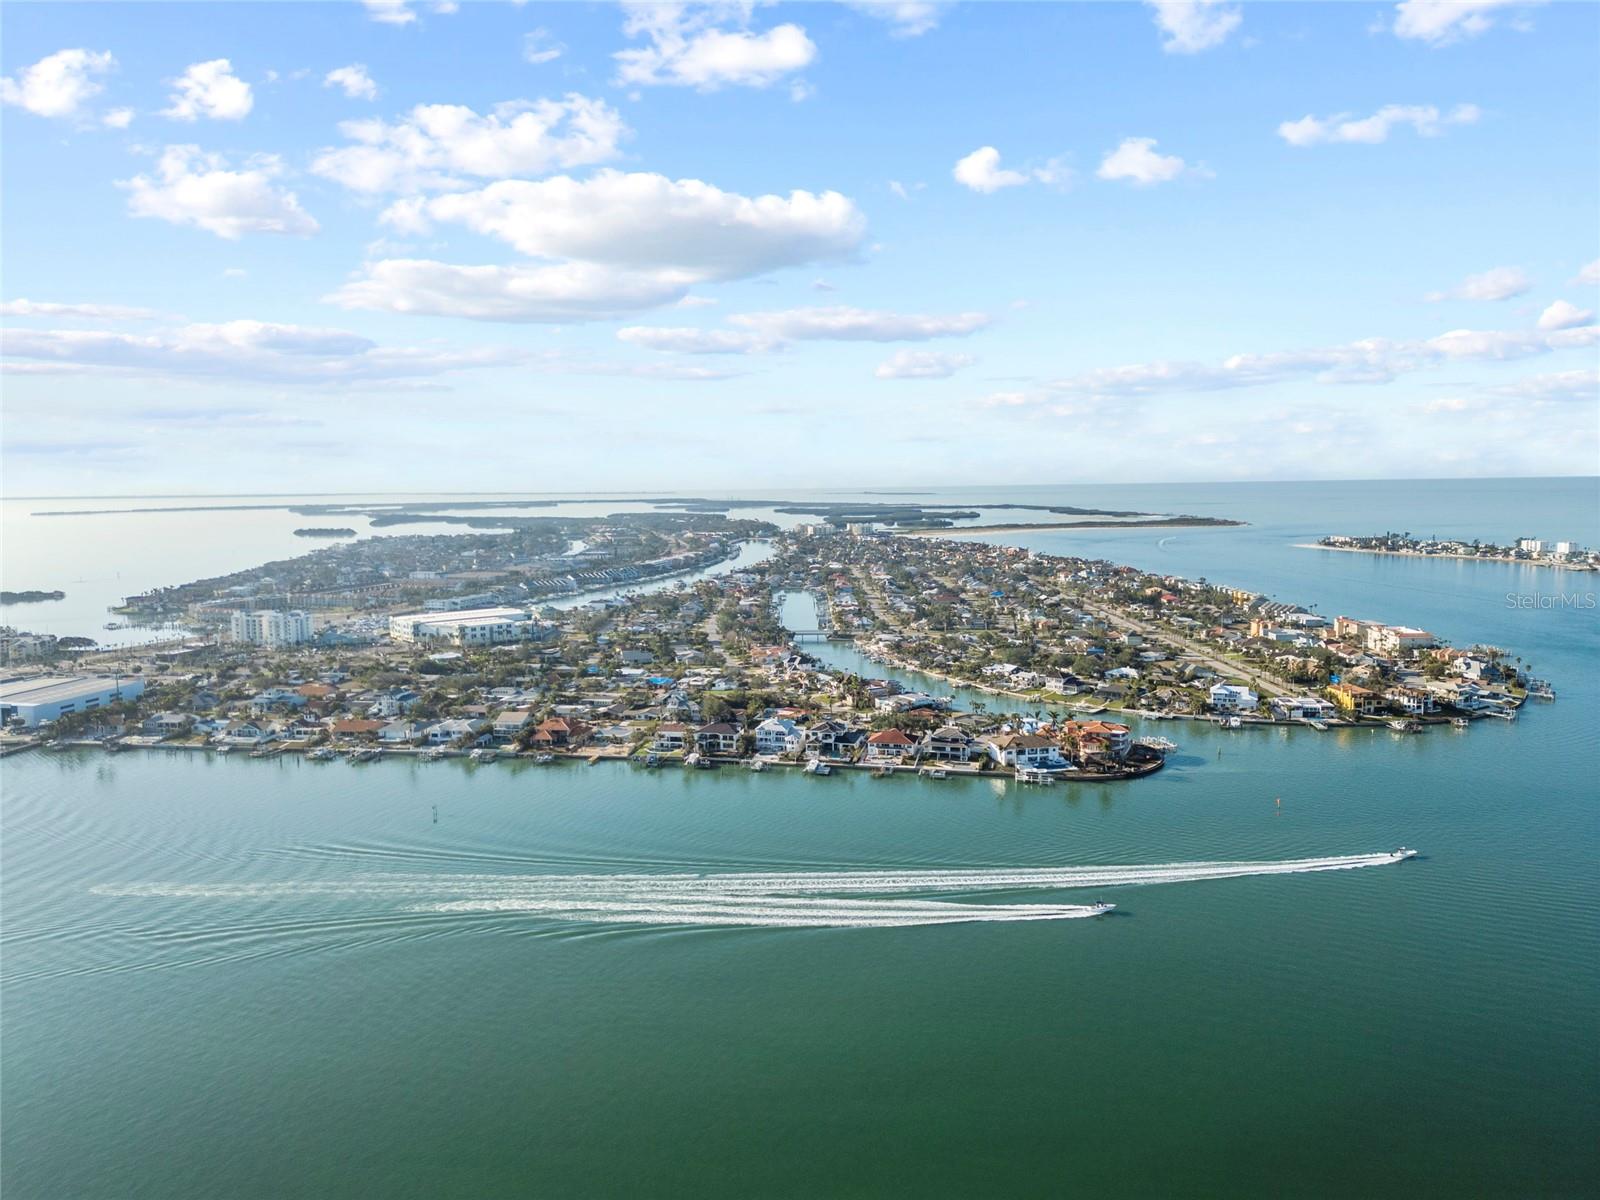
point(352, 727)
point(889, 744)
point(560, 731)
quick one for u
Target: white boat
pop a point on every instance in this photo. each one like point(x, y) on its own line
point(815, 766)
point(1402, 853)
point(1460, 722)
point(1101, 908)
point(757, 764)
point(484, 754)
point(323, 754)
point(934, 772)
point(1232, 723)
point(543, 759)
point(435, 754)
point(1405, 726)
point(361, 756)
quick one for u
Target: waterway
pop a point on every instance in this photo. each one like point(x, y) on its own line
point(226, 977)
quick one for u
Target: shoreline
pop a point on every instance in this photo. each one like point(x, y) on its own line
point(1483, 558)
point(1175, 523)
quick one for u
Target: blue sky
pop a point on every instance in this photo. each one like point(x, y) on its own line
point(347, 246)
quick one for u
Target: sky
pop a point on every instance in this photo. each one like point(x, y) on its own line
point(411, 245)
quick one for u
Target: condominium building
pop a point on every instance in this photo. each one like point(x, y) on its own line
point(272, 627)
point(468, 627)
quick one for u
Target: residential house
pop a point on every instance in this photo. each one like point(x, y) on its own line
point(889, 745)
point(1353, 698)
point(401, 733)
point(779, 735)
point(509, 724)
point(1301, 708)
point(719, 737)
point(947, 744)
point(1027, 750)
point(557, 732)
point(1413, 701)
point(671, 737)
point(166, 724)
point(448, 733)
point(1232, 698)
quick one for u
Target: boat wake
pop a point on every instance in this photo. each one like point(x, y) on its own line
point(772, 899)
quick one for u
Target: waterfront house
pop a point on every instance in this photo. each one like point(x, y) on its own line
point(1025, 750)
point(1410, 700)
point(276, 697)
point(355, 727)
point(166, 724)
point(671, 737)
point(719, 737)
point(245, 733)
point(458, 729)
point(1116, 739)
point(1353, 698)
point(778, 735)
point(1301, 708)
point(889, 744)
point(947, 744)
point(559, 732)
point(1231, 698)
point(509, 724)
point(401, 733)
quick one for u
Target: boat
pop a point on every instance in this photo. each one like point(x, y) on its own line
point(1319, 726)
point(361, 756)
point(1540, 689)
point(224, 749)
point(435, 754)
point(757, 764)
point(1232, 723)
point(544, 759)
point(1403, 725)
point(652, 760)
point(1035, 775)
point(697, 760)
point(815, 766)
point(484, 754)
point(1100, 908)
point(1401, 853)
point(261, 752)
point(323, 754)
point(934, 772)
point(1460, 722)
point(882, 772)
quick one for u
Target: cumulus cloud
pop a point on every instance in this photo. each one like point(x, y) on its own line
point(58, 85)
point(1342, 127)
point(538, 47)
point(981, 171)
point(245, 351)
point(1501, 283)
point(390, 12)
point(695, 341)
point(844, 324)
point(694, 45)
point(102, 312)
point(117, 118)
point(1190, 26)
point(922, 364)
point(434, 145)
point(1136, 161)
point(1558, 387)
point(191, 187)
point(1440, 22)
point(1562, 315)
point(905, 18)
point(209, 89)
point(353, 80)
point(1589, 273)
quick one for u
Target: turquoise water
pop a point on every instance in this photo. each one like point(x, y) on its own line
point(226, 977)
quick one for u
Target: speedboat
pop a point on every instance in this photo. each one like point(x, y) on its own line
point(1100, 908)
point(1402, 853)
point(816, 766)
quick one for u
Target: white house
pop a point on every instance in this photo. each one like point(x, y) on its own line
point(1232, 697)
point(1028, 750)
point(889, 745)
point(1302, 708)
point(779, 735)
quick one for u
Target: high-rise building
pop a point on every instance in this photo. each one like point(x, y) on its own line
point(272, 627)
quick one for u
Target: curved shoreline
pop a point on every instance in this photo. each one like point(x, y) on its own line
point(1481, 558)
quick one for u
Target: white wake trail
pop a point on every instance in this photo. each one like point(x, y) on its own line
point(846, 899)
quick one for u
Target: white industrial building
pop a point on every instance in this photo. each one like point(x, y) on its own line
point(272, 627)
point(468, 627)
point(44, 698)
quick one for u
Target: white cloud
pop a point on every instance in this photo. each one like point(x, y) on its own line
point(981, 171)
point(58, 85)
point(209, 89)
point(434, 145)
point(1501, 283)
point(194, 188)
point(695, 341)
point(1370, 361)
point(649, 222)
point(922, 364)
point(390, 12)
point(1191, 26)
point(1424, 118)
point(117, 118)
point(905, 18)
point(690, 48)
point(102, 312)
point(1589, 273)
point(524, 293)
point(859, 325)
point(1582, 385)
point(246, 351)
point(1440, 22)
point(1562, 315)
point(538, 46)
point(353, 80)
point(1136, 161)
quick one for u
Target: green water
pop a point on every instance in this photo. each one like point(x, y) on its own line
point(213, 988)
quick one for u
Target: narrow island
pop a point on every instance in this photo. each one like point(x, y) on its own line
point(1529, 551)
point(30, 597)
point(325, 531)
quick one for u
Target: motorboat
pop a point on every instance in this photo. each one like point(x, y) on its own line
point(757, 764)
point(815, 766)
point(1232, 723)
point(544, 759)
point(1401, 853)
point(1406, 726)
point(323, 754)
point(1100, 908)
point(1460, 722)
point(484, 754)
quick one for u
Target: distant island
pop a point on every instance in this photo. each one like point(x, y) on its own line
point(330, 531)
point(1534, 552)
point(30, 597)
